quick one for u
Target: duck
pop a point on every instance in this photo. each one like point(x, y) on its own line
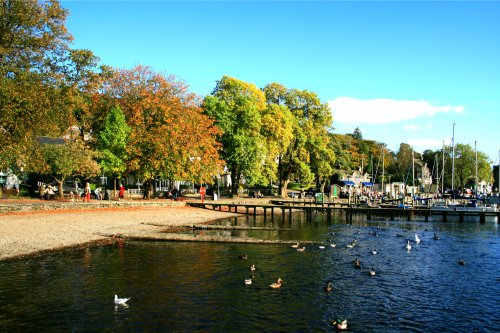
point(417, 240)
point(121, 301)
point(374, 252)
point(248, 281)
point(244, 257)
point(371, 272)
point(436, 237)
point(357, 263)
point(301, 249)
point(252, 268)
point(341, 325)
point(321, 247)
point(461, 262)
point(328, 287)
point(276, 284)
point(333, 245)
point(408, 246)
point(295, 246)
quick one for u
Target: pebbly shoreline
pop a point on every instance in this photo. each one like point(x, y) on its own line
point(31, 230)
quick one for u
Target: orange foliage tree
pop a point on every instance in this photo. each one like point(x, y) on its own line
point(170, 136)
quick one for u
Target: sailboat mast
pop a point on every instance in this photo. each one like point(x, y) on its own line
point(475, 178)
point(383, 170)
point(413, 173)
point(453, 164)
point(442, 173)
point(437, 173)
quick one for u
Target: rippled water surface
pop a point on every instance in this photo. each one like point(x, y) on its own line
point(198, 287)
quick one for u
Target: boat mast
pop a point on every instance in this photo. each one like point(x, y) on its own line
point(453, 164)
point(442, 174)
point(437, 173)
point(475, 178)
point(413, 176)
point(383, 189)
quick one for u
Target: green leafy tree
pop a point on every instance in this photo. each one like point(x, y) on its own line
point(307, 155)
point(69, 159)
point(465, 166)
point(237, 108)
point(112, 144)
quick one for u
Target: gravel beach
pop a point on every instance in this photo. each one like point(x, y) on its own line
point(28, 233)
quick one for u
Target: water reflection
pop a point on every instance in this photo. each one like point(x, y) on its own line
point(198, 287)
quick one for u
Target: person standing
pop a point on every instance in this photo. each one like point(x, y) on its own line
point(87, 192)
point(121, 194)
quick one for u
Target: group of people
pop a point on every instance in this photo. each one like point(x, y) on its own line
point(46, 192)
point(171, 194)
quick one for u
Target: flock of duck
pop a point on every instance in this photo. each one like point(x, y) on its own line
point(339, 324)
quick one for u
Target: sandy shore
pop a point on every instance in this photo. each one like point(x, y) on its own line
point(28, 233)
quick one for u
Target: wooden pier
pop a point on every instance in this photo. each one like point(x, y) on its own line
point(287, 207)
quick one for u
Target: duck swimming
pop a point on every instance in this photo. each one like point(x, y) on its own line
point(252, 268)
point(357, 263)
point(371, 272)
point(295, 246)
point(341, 325)
point(248, 281)
point(244, 257)
point(328, 287)
point(461, 262)
point(276, 284)
point(121, 301)
point(407, 246)
point(301, 249)
point(435, 237)
point(417, 240)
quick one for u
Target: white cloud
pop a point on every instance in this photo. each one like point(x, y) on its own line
point(383, 110)
point(411, 128)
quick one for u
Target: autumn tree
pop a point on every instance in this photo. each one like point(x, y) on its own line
point(237, 108)
point(33, 43)
point(170, 136)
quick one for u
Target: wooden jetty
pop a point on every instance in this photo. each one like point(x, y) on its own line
point(287, 207)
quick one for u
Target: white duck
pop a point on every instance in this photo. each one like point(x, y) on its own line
point(407, 246)
point(417, 240)
point(248, 281)
point(121, 301)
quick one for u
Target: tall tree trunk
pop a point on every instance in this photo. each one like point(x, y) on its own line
point(280, 172)
point(284, 187)
point(60, 188)
point(233, 181)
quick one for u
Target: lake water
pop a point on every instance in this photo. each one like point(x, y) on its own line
point(198, 287)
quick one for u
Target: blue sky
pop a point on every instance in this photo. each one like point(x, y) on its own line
point(401, 71)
